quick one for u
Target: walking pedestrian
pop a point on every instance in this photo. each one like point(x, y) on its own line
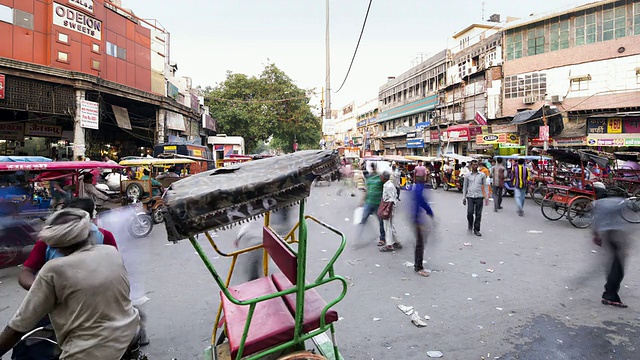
point(419, 203)
point(389, 195)
point(394, 177)
point(611, 231)
point(498, 174)
point(473, 195)
point(371, 202)
point(420, 173)
point(520, 181)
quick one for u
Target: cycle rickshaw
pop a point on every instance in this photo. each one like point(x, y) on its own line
point(575, 201)
point(276, 314)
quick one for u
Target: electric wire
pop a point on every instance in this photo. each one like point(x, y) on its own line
point(364, 23)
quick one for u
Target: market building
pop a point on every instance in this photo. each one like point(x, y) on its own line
point(367, 127)
point(407, 105)
point(577, 71)
point(89, 78)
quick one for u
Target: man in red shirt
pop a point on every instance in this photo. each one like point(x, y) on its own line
point(41, 253)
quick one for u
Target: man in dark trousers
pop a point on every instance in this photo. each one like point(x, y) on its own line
point(498, 174)
point(611, 231)
point(473, 194)
point(419, 204)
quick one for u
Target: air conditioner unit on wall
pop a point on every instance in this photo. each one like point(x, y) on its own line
point(529, 99)
point(556, 99)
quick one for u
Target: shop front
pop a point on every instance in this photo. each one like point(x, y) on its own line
point(613, 132)
point(459, 139)
point(395, 145)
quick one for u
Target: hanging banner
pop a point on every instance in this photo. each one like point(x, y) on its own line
point(544, 133)
point(89, 114)
point(480, 119)
point(1, 86)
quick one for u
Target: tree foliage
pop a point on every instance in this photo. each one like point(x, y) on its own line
point(267, 107)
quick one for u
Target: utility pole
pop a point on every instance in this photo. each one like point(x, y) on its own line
point(327, 112)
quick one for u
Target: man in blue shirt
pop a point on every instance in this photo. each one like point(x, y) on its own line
point(419, 204)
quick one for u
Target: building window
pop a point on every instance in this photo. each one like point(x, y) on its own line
point(586, 29)
point(559, 35)
point(535, 40)
point(63, 56)
point(526, 85)
point(614, 22)
point(95, 48)
point(63, 38)
point(122, 53)
point(580, 83)
point(6, 14)
point(636, 19)
point(112, 49)
point(95, 64)
point(23, 19)
point(514, 45)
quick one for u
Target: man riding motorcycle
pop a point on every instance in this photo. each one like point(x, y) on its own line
point(85, 293)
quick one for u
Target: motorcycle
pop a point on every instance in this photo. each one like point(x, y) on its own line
point(434, 180)
point(141, 223)
point(453, 182)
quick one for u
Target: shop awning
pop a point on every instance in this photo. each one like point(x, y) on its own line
point(122, 117)
point(533, 115)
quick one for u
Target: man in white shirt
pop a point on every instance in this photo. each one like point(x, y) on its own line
point(85, 293)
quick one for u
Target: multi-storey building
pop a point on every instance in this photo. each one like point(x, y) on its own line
point(87, 77)
point(579, 69)
point(406, 104)
point(345, 125)
point(367, 127)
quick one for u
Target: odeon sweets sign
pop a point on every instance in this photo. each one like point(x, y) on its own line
point(77, 21)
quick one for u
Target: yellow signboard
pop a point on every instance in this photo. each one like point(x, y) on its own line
point(614, 126)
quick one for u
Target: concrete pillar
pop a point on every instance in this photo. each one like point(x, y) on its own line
point(79, 145)
point(161, 117)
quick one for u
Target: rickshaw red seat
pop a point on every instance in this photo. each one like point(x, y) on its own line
point(271, 324)
point(313, 304)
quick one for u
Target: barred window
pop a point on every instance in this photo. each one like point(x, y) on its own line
point(534, 84)
point(585, 29)
point(614, 23)
point(514, 46)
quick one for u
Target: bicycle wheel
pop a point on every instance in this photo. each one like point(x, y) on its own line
point(630, 210)
point(581, 213)
point(539, 193)
point(552, 210)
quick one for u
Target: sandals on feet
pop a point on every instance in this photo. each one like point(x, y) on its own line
point(614, 303)
point(423, 272)
point(382, 243)
point(386, 248)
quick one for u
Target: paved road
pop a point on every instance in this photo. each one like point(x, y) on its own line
point(540, 302)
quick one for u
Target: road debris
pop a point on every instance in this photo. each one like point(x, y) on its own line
point(396, 298)
point(404, 279)
point(451, 264)
point(349, 280)
point(490, 270)
point(354, 261)
point(594, 251)
point(407, 310)
point(323, 250)
point(474, 275)
point(499, 308)
point(408, 264)
point(377, 265)
point(434, 354)
point(534, 232)
point(483, 262)
point(427, 317)
point(466, 244)
point(501, 262)
point(417, 321)
point(407, 294)
point(377, 319)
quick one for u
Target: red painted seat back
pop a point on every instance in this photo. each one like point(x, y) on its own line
point(286, 260)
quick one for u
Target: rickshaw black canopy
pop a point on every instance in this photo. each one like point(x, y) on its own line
point(226, 196)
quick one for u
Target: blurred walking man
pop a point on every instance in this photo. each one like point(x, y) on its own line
point(473, 195)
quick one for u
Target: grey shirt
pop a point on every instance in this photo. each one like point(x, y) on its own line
point(474, 184)
point(607, 215)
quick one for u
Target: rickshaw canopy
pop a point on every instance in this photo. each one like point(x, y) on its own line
point(223, 197)
point(576, 157)
point(396, 158)
point(424, 158)
point(460, 158)
point(526, 157)
point(24, 159)
point(57, 166)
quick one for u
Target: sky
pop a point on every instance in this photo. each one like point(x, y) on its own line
point(211, 37)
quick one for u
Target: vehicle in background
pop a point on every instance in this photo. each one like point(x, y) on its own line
point(202, 156)
point(224, 146)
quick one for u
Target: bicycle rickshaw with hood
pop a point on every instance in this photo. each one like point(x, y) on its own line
point(275, 315)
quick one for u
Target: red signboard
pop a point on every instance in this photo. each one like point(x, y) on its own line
point(544, 133)
point(434, 135)
point(1, 86)
point(631, 125)
point(480, 119)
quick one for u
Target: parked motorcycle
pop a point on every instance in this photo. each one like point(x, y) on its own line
point(434, 180)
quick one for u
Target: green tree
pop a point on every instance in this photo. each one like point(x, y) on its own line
point(269, 106)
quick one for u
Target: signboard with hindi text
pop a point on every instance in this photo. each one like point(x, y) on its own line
point(43, 130)
point(89, 114)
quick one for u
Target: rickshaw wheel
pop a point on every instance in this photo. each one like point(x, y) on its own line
point(630, 210)
point(551, 210)
point(581, 212)
point(445, 186)
point(539, 193)
point(157, 215)
point(134, 191)
point(302, 355)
